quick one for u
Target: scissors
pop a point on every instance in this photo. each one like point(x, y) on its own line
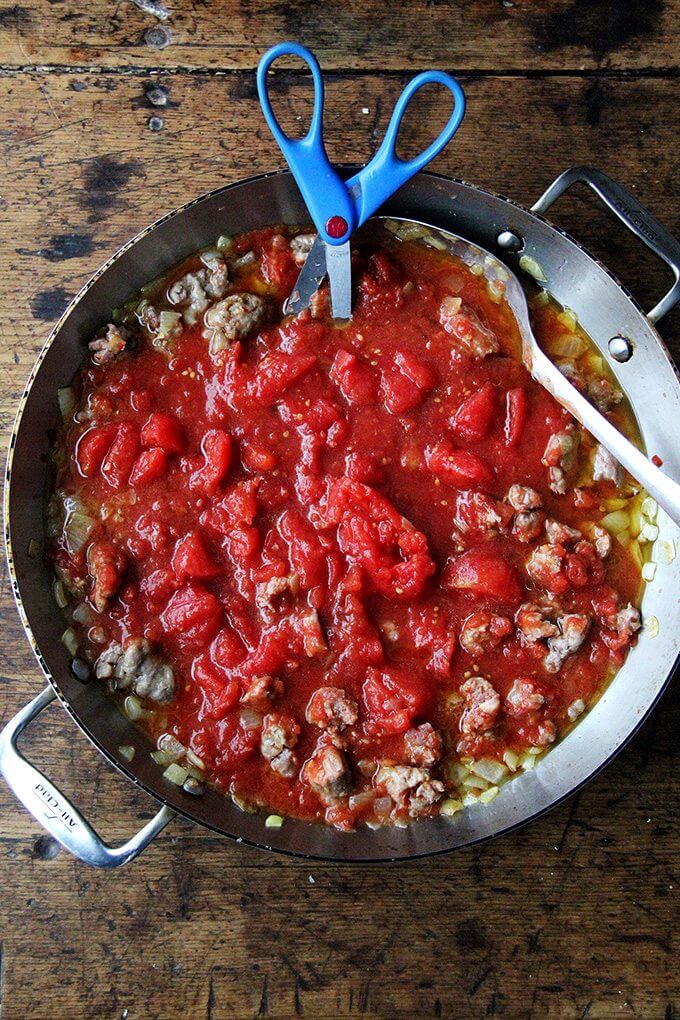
point(338, 207)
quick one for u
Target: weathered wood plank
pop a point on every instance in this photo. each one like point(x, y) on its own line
point(463, 34)
point(574, 916)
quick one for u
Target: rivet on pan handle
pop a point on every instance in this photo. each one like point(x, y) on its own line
point(633, 215)
point(54, 811)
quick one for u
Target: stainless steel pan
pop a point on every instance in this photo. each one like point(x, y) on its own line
point(627, 340)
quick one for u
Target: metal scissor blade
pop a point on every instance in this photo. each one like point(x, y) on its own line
point(340, 277)
point(309, 280)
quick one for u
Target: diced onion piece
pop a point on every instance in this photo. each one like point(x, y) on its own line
point(664, 551)
point(450, 807)
point(162, 758)
point(469, 799)
point(496, 290)
point(193, 786)
point(218, 343)
point(568, 319)
point(210, 255)
point(623, 537)
point(126, 751)
point(529, 265)
point(649, 508)
point(132, 707)
point(476, 269)
point(82, 614)
point(360, 800)
point(244, 805)
point(576, 709)
point(432, 241)
point(195, 760)
point(166, 324)
point(649, 532)
point(250, 719)
point(69, 639)
point(567, 345)
point(472, 782)
point(652, 626)
point(451, 305)
point(175, 774)
point(542, 298)
point(273, 822)
point(77, 525)
point(511, 760)
point(489, 794)
point(412, 231)
point(489, 768)
point(33, 548)
point(67, 401)
point(391, 225)
point(224, 242)
point(616, 522)
point(171, 745)
point(636, 552)
point(648, 571)
point(527, 762)
point(60, 596)
point(615, 504)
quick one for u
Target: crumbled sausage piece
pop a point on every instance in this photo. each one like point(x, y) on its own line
point(233, 318)
point(261, 691)
point(558, 533)
point(466, 328)
point(534, 622)
point(410, 786)
point(106, 566)
point(399, 779)
point(424, 797)
point(476, 512)
point(105, 348)
point(606, 467)
point(423, 745)
point(328, 772)
point(301, 245)
point(268, 593)
point(521, 497)
point(523, 697)
point(313, 640)
point(331, 706)
point(280, 733)
point(573, 629)
point(601, 393)
point(545, 567)
point(560, 457)
point(528, 525)
point(195, 290)
point(547, 731)
point(602, 541)
point(625, 622)
point(136, 667)
point(483, 631)
point(482, 705)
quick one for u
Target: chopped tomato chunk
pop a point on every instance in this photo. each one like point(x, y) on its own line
point(161, 429)
point(460, 469)
point(193, 615)
point(481, 572)
point(121, 456)
point(92, 447)
point(393, 699)
point(150, 464)
point(516, 409)
point(474, 418)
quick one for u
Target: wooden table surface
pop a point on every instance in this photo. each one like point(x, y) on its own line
point(114, 113)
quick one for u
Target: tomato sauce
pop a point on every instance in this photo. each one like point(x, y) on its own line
point(282, 506)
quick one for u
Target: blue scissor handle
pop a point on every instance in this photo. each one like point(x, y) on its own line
point(324, 191)
point(386, 173)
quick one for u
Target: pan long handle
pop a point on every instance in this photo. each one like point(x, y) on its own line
point(50, 807)
point(632, 214)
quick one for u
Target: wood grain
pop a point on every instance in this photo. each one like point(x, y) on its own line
point(575, 916)
point(480, 35)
